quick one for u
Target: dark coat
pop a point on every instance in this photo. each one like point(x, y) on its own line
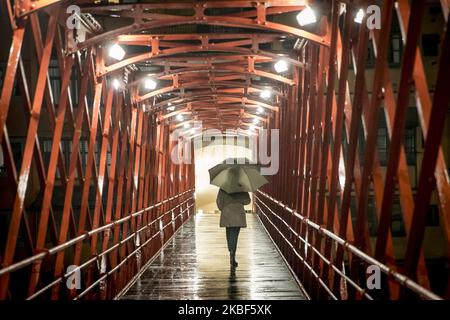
point(232, 209)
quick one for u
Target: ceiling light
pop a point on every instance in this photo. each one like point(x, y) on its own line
point(265, 94)
point(149, 84)
point(180, 117)
point(259, 110)
point(116, 84)
point(116, 52)
point(359, 16)
point(306, 16)
point(170, 107)
point(281, 66)
point(342, 8)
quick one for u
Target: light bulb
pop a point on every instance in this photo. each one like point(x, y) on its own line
point(265, 94)
point(116, 52)
point(149, 84)
point(306, 16)
point(116, 84)
point(281, 66)
point(359, 16)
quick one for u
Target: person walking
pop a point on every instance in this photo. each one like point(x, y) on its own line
point(235, 177)
point(232, 218)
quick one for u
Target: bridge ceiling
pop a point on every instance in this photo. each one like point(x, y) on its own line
point(215, 58)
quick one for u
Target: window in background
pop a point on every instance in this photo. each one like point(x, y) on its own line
point(396, 50)
point(55, 80)
point(382, 143)
point(370, 59)
point(410, 145)
point(3, 172)
point(397, 225)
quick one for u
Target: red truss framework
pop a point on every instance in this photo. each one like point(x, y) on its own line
point(109, 202)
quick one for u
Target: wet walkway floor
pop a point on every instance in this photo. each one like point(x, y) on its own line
point(195, 265)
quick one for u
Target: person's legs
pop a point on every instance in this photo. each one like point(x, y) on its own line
point(235, 237)
point(229, 237)
point(232, 238)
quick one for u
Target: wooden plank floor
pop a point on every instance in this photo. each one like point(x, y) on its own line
point(195, 265)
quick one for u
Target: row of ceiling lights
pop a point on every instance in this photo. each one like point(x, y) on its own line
point(187, 125)
point(308, 16)
point(118, 53)
point(170, 108)
point(180, 118)
point(305, 17)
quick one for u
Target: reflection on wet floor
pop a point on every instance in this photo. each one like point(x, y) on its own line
point(195, 265)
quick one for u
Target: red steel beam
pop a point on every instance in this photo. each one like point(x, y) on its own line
point(28, 149)
point(441, 101)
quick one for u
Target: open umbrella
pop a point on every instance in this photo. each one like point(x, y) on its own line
point(237, 175)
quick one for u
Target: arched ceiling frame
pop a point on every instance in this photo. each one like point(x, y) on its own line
point(160, 49)
point(233, 97)
point(218, 96)
point(218, 105)
point(148, 56)
point(167, 40)
point(143, 20)
point(239, 92)
point(213, 75)
point(165, 47)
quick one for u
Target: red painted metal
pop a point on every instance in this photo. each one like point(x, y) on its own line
point(441, 101)
point(110, 196)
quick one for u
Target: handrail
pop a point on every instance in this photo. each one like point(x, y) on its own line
point(328, 262)
point(48, 252)
point(138, 248)
point(121, 242)
point(400, 278)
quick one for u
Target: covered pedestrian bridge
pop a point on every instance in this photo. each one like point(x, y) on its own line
point(106, 106)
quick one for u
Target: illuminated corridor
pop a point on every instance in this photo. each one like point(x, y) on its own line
point(112, 112)
point(194, 265)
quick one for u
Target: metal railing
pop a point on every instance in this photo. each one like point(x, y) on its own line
point(88, 234)
point(349, 248)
